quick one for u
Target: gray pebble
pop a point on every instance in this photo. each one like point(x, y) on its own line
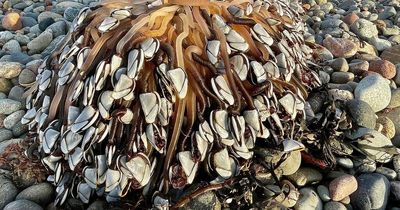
point(40, 43)
point(58, 28)
point(334, 205)
point(364, 29)
point(339, 64)
point(8, 191)
point(19, 129)
point(388, 172)
point(70, 13)
point(8, 106)
point(395, 190)
point(308, 200)
point(41, 193)
point(11, 120)
point(372, 193)
point(5, 36)
point(380, 44)
point(323, 193)
point(345, 162)
point(28, 21)
point(361, 113)
point(20, 57)
point(342, 77)
point(12, 46)
point(23, 205)
point(374, 90)
point(5, 134)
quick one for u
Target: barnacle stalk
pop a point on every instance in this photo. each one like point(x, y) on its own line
point(145, 96)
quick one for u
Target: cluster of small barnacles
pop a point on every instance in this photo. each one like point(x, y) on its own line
point(145, 96)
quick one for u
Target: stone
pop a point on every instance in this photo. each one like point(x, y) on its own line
point(53, 44)
point(333, 205)
point(323, 54)
point(12, 21)
point(8, 106)
point(11, 120)
point(364, 165)
point(305, 176)
point(342, 77)
point(17, 93)
point(46, 22)
point(372, 193)
point(392, 54)
point(40, 43)
point(388, 127)
point(8, 191)
point(20, 57)
point(350, 18)
point(42, 193)
point(70, 13)
point(364, 29)
point(308, 200)
point(324, 77)
point(4, 144)
point(330, 23)
point(5, 85)
point(206, 200)
point(388, 172)
point(339, 64)
point(12, 46)
point(316, 100)
point(58, 28)
point(28, 21)
point(345, 162)
point(340, 47)
point(343, 95)
point(291, 164)
point(361, 113)
point(380, 44)
point(374, 90)
point(372, 139)
point(342, 186)
point(10, 70)
point(97, 205)
point(358, 67)
point(26, 77)
point(323, 193)
point(396, 163)
point(340, 86)
point(23, 205)
point(387, 13)
point(5, 134)
point(48, 14)
point(394, 116)
point(19, 129)
point(62, 6)
point(5, 36)
point(395, 190)
point(395, 99)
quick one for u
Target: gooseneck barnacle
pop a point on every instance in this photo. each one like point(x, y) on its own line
point(147, 95)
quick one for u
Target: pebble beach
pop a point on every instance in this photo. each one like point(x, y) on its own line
point(357, 55)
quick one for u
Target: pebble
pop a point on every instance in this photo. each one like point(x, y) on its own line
point(42, 193)
point(392, 54)
point(333, 205)
point(339, 64)
point(39, 43)
point(8, 191)
point(20, 57)
point(345, 162)
point(358, 67)
point(10, 69)
point(374, 90)
point(343, 95)
point(380, 44)
point(12, 21)
point(206, 200)
point(16, 93)
point(342, 77)
point(19, 129)
point(364, 29)
point(372, 193)
point(48, 14)
point(5, 85)
point(305, 176)
point(8, 106)
point(361, 113)
point(396, 163)
point(26, 77)
point(340, 47)
point(308, 200)
point(12, 46)
point(5, 134)
point(323, 193)
point(395, 99)
point(70, 13)
point(23, 205)
point(342, 186)
point(11, 120)
point(388, 172)
point(350, 18)
point(394, 116)
point(324, 77)
point(388, 127)
point(97, 205)
point(46, 22)
point(28, 21)
point(364, 165)
point(395, 190)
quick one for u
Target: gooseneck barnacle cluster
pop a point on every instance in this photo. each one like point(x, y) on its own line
point(143, 97)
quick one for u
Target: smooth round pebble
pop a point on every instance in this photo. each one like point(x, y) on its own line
point(305, 176)
point(342, 186)
point(42, 193)
point(23, 205)
point(388, 172)
point(372, 193)
point(361, 113)
point(308, 200)
point(334, 205)
point(323, 193)
point(385, 68)
point(374, 90)
point(8, 191)
point(342, 77)
point(11, 120)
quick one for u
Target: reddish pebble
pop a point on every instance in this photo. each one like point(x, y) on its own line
point(342, 187)
point(12, 21)
point(385, 68)
point(340, 47)
point(350, 18)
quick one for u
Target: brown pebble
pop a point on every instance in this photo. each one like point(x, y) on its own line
point(385, 68)
point(350, 18)
point(358, 67)
point(342, 186)
point(340, 47)
point(12, 21)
